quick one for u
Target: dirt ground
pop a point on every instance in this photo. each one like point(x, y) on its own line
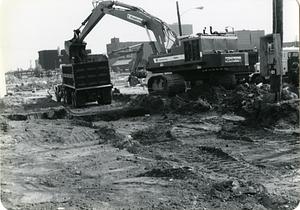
point(112, 157)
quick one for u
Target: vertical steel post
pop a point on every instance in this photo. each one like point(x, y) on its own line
point(298, 2)
point(278, 29)
point(278, 18)
point(179, 21)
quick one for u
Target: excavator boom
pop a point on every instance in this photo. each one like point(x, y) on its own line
point(165, 37)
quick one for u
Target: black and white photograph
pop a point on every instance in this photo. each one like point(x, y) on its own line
point(140, 104)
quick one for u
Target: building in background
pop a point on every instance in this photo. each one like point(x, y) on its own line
point(52, 59)
point(121, 63)
point(249, 39)
point(48, 59)
point(63, 57)
point(187, 29)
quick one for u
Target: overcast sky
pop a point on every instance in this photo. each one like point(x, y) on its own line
point(32, 25)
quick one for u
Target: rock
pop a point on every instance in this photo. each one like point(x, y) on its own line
point(235, 186)
point(259, 85)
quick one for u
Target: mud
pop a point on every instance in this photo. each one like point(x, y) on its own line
point(217, 152)
point(154, 134)
point(52, 113)
point(169, 173)
point(193, 151)
point(41, 103)
point(112, 115)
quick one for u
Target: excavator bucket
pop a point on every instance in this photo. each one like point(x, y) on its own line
point(75, 50)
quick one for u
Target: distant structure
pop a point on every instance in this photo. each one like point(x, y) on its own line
point(121, 63)
point(249, 39)
point(187, 29)
point(52, 59)
point(20, 73)
point(48, 59)
point(290, 44)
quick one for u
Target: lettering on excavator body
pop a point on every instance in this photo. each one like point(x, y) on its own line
point(169, 58)
point(234, 59)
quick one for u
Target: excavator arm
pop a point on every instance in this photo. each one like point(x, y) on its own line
point(137, 52)
point(165, 37)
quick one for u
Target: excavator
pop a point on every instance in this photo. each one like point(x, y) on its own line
point(136, 66)
point(176, 62)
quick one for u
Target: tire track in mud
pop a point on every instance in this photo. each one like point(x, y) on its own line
point(257, 159)
point(217, 164)
point(209, 159)
point(291, 148)
point(221, 164)
point(212, 159)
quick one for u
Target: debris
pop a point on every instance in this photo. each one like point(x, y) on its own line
point(288, 95)
point(188, 107)
point(151, 104)
point(153, 134)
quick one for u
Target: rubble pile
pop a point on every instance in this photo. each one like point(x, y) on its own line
point(153, 134)
point(181, 104)
point(255, 102)
point(187, 106)
point(270, 114)
point(151, 104)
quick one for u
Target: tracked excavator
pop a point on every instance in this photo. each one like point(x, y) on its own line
point(176, 62)
point(136, 66)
